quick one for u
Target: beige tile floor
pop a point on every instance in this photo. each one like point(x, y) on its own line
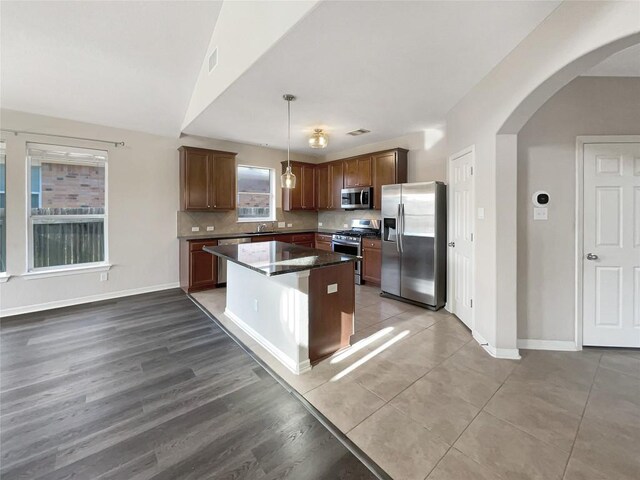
point(425, 401)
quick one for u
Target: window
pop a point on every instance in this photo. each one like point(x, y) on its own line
point(67, 221)
point(256, 194)
point(3, 200)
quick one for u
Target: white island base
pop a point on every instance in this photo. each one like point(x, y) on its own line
point(298, 317)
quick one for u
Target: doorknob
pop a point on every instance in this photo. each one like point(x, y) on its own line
point(592, 256)
point(452, 244)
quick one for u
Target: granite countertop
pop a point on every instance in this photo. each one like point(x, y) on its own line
point(219, 236)
point(278, 258)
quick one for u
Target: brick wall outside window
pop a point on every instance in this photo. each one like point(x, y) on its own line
point(72, 186)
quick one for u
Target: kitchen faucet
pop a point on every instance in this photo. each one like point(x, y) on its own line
point(262, 227)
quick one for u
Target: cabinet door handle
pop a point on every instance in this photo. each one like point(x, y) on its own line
point(592, 256)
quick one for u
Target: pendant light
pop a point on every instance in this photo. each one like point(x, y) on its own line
point(318, 139)
point(288, 179)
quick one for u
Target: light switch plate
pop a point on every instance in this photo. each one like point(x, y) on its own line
point(332, 288)
point(104, 276)
point(195, 229)
point(281, 224)
point(344, 225)
point(540, 213)
point(480, 213)
point(210, 228)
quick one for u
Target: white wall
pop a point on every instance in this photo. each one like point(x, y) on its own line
point(547, 161)
point(576, 36)
point(244, 31)
point(143, 186)
point(426, 160)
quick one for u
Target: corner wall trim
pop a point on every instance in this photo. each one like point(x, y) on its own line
point(9, 312)
point(501, 353)
point(558, 345)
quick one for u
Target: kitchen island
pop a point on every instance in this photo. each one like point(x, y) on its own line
point(296, 302)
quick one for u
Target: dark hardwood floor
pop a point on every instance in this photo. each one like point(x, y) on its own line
point(148, 387)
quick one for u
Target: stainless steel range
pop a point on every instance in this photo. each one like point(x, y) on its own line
point(350, 241)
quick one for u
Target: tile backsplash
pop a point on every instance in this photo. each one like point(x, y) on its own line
point(227, 222)
point(336, 220)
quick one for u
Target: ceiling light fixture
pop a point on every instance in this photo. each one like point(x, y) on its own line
point(288, 179)
point(318, 139)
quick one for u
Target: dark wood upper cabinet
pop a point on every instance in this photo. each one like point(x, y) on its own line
point(336, 179)
point(207, 179)
point(195, 173)
point(224, 181)
point(323, 187)
point(303, 197)
point(388, 168)
point(308, 187)
point(329, 183)
point(357, 172)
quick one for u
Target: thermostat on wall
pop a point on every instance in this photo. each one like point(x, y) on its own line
point(540, 198)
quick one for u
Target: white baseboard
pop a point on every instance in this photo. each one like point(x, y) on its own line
point(502, 353)
point(8, 312)
point(559, 345)
point(288, 362)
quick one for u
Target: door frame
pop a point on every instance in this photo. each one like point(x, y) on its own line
point(450, 277)
point(581, 141)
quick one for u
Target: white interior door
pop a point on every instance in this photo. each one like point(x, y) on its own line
point(611, 260)
point(461, 185)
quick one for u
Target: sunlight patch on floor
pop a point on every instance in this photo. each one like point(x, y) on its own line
point(360, 345)
point(369, 356)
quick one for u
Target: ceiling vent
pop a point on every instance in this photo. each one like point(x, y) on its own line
point(213, 60)
point(360, 131)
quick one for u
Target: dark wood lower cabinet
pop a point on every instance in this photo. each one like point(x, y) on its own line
point(371, 261)
point(198, 269)
point(330, 314)
point(323, 242)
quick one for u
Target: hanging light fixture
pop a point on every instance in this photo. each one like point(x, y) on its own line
point(319, 139)
point(288, 179)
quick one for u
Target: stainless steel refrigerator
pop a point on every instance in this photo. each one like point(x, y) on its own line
point(414, 242)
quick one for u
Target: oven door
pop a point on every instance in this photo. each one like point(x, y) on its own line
point(350, 248)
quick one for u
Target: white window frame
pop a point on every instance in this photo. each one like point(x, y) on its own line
point(271, 194)
point(76, 267)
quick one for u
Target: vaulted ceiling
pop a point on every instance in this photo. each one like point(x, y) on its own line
point(392, 67)
point(125, 64)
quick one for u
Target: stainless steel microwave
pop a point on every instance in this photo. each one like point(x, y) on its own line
point(356, 198)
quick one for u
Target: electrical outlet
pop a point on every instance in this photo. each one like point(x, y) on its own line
point(319, 224)
point(289, 225)
point(104, 276)
point(281, 224)
point(332, 288)
point(210, 228)
point(195, 229)
point(344, 225)
point(480, 213)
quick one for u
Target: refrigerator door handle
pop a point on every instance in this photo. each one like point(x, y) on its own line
point(401, 226)
point(398, 229)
